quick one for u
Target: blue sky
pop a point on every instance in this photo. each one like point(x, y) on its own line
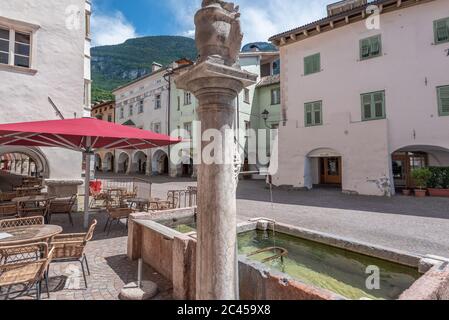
point(114, 21)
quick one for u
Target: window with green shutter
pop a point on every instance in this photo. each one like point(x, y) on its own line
point(373, 106)
point(313, 114)
point(312, 64)
point(441, 30)
point(443, 100)
point(370, 47)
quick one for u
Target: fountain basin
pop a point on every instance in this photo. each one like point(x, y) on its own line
point(318, 265)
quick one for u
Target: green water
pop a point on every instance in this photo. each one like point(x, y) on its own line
point(185, 225)
point(337, 270)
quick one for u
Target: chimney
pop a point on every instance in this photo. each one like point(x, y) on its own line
point(155, 67)
point(342, 6)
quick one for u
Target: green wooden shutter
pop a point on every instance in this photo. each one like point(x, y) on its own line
point(312, 64)
point(375, 43)
point(317, 118)
point(316, 62)
point(366, 106)
point(307, 66)
point(378, 102)
point(441, 28)
point(308, 114)
point(365, 48)
point(443, 100)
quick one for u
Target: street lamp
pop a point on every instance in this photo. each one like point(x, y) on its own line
point(265, 115)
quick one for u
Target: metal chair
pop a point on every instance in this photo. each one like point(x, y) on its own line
point(117, 214)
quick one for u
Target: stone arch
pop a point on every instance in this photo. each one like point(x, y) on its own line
point(108, 162)
point(36, 160)
point(98, 162)
point(160, 163)
point(123, 163)
point(140, 162)
point(407, 158)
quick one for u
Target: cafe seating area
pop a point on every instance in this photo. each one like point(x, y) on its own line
point(42, 238)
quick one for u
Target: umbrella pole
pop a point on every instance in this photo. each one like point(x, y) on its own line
point(87, 189)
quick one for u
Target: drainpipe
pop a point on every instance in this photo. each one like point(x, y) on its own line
point(167, 78)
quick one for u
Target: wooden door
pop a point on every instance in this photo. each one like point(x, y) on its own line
point(331, 172)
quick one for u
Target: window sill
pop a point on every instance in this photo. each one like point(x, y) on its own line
point(372, 57)
point(7, 67)
point(441, 42)
point(373, 119)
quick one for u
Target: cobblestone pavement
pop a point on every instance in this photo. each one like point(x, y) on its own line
point(410, 224)
point(109, 266)
point(405, 223)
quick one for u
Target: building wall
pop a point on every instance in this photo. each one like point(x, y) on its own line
point(57, 71)
point(145, 89)
point(409, 71)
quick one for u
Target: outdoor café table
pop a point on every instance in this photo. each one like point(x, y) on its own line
point(138, 203)
point(27, 234)
point(33, 199)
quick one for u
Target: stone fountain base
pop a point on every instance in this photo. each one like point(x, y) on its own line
point(132, 292)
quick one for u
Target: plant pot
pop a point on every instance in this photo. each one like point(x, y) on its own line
point(406, 192)
point(420, 193)
point(439, 192)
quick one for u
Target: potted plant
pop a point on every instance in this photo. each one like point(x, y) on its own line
point(421, 178)
point(439, 182)
point(406, 192)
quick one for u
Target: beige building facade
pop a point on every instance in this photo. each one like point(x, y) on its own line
point(363, 106)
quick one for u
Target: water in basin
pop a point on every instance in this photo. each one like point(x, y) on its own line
point(183, 225)
point(340, 271)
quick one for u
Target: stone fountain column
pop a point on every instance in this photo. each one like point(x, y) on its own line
point(216, 80)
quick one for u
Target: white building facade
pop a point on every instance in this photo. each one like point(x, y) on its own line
point(45, 53)
point(144, 104)
point(361, 106)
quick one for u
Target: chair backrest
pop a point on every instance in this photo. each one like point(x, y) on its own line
point(21, 222)
point(90, 232)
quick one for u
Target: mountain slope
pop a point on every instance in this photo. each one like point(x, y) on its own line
point(113, 66)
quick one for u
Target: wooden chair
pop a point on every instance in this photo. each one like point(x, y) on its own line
point(21, 222)
point(70, 248)
point(8, 210)
point(62, 206)
point(29, 273)
point(117, 214)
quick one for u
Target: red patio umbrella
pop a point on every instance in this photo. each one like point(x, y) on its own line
point(85, 135)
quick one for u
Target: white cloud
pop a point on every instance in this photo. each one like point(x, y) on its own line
point(111, 29)
point(261, 19)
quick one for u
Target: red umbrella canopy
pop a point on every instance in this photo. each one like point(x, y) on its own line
point(85, 134)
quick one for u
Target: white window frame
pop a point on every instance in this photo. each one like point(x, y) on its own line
point(14, 26)
point(157, 125)
point(187, 98)
point(158, 101)
point(141, 107)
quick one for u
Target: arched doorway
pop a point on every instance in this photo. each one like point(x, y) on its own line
point(187, 167)
point(123, 163)
point(108, 162)
point(409, 158)
point(324, 167)
point(98, 163)
point(140, 162)
point(24, 161)
point(160, 163)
